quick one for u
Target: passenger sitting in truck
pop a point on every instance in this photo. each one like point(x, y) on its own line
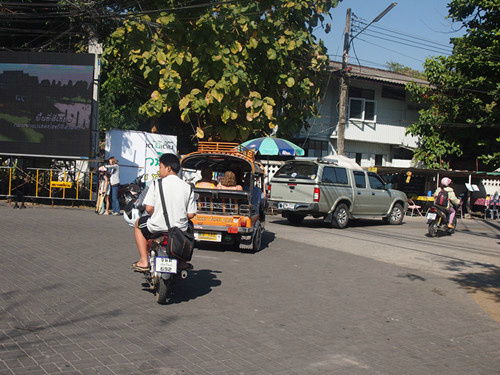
point(228, 182)
point(206, 181)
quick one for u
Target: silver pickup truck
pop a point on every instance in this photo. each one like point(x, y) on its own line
point(335, 189)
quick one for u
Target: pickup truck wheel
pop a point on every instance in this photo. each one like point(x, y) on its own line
point(396, 216)
point(294, 218)
point(340, 216)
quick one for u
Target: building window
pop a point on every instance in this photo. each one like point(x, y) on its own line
point(316, 148)
point(362, 110)
point(362, 104)
point(379, 159)
point(359, 157)
point(391, 92)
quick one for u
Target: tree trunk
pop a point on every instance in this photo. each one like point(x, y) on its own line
point(154, 122)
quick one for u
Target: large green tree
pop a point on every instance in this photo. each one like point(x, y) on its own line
point(230, 68)
point(460, 122)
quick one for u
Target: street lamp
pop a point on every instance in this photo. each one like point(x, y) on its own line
point(343, 75)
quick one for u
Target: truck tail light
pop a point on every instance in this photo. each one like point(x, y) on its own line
point(316, 195)
point(269, 191)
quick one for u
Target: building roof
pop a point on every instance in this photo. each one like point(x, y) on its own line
point(374, 74)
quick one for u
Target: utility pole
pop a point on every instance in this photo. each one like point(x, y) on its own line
point(343, 74)
point(343, 86)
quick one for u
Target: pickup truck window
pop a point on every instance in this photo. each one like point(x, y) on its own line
point(298, 170)
point(334, 175)
point(359, 178)
point(375, 181)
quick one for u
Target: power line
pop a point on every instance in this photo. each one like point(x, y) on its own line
point(388, 49)
point(399, 32)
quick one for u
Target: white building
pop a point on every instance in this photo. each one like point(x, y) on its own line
point(379, 112)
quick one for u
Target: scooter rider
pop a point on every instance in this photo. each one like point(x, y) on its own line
point(180, 205)
point(452, 199)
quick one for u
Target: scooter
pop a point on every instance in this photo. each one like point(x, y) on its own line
point(130, 192)
point(164, 271)
point(437, 221)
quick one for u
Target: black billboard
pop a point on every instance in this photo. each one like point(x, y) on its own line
point(46, 104)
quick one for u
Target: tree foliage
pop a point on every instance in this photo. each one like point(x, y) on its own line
point(230, 68)
point(461, 115)
point(407, 71)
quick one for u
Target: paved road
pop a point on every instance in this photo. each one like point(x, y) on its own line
point(370, 299)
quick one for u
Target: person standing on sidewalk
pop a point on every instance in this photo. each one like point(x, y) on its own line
point(114, 180)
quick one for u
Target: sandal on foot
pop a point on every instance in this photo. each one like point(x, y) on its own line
point(135, 267)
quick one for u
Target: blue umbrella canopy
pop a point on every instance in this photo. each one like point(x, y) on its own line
point(273, 146)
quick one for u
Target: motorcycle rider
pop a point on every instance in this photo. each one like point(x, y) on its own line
point(179, 202)
point(452, 199)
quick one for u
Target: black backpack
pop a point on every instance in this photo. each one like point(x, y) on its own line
point(442, 198)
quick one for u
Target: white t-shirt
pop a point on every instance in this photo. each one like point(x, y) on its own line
point(179, 201)
point(114, 170)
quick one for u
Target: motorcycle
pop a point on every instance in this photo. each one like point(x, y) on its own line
point(164, 271)
point(130, 192)
point(437, 221)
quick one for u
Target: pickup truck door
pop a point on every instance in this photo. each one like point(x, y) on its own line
point(381, 199)
point(362, 195)
point(334, 185)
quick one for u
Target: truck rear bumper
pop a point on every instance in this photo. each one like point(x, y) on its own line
point(296, 207)
point(218, 228)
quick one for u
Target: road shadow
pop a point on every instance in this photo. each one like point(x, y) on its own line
point(267, 238)
point(463, 227)
point(319, 223)
point(486, 281)
point(197, 284)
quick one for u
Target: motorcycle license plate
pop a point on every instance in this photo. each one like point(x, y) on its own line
point(431, 216)
point(164, 264)
point(207, 236)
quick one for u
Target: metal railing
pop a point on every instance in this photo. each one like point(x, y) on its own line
point(53, 184)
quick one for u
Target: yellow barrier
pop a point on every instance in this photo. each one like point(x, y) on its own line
point(60, 184)
point(48, 184)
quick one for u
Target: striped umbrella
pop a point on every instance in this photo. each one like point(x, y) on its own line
point(273, 146)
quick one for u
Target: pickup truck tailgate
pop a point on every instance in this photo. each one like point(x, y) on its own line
point(292, 191)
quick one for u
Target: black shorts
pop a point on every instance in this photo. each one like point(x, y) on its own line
point(143, 226)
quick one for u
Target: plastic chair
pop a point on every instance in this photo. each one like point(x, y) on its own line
point(460, 210)
point(414, 207)
point(492, 208)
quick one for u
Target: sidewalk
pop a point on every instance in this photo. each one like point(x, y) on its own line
point(69, 304)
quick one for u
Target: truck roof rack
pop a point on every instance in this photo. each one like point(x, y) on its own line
point(226, 148)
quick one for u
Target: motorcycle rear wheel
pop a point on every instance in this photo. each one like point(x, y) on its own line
point(162, 291)
point(433, 229)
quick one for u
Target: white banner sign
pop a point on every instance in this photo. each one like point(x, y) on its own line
point(138, 152)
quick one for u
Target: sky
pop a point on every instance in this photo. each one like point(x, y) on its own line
point(409, 33)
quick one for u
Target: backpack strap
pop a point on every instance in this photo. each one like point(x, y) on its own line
point(165, 214)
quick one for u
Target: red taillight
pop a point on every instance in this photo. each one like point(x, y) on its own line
point(269, 191)
point(316, 195)
point(433, 209)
